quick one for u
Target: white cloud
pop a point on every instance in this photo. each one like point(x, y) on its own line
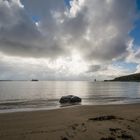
point(133, 55)
point(44, 69)
point(137, 69)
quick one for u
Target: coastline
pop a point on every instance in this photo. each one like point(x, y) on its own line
point(73, 123)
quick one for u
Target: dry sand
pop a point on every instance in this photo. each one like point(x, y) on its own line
point(111, 122)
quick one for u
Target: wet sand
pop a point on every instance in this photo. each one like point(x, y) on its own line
point(110, 122)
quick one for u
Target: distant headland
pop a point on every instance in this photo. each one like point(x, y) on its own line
point(127, 78)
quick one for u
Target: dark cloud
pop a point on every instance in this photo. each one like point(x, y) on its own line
point(94, 68)
point(20, 36)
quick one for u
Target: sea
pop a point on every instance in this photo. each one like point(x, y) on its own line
point(16, 96)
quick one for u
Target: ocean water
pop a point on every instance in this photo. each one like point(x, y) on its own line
point(27, 95)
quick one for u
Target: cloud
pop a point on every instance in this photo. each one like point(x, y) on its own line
point(98, 30)
point(94, 68)
point(108, 71)
point(21, 37)
point(137, 69)
point(104, 35)
point(17, 68)
point(133, 55)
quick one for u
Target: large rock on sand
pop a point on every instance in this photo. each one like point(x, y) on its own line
point(70, 99)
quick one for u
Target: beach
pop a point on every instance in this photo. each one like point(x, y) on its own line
point(108, 122)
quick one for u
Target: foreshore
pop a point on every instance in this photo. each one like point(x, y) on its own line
point(104, 122)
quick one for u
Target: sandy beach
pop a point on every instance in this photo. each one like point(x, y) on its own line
point(110, 122)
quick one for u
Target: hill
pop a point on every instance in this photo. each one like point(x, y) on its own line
point(128, 78)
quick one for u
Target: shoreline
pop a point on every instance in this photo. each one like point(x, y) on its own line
point(73, 123)
point(24, 110)
point(41, 110)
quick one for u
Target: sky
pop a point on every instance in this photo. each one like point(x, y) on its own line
point(69, 39)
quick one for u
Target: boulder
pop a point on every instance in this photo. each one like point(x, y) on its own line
point(70, 99)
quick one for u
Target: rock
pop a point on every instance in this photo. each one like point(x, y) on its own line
point(70, 99)
point(103, 118)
